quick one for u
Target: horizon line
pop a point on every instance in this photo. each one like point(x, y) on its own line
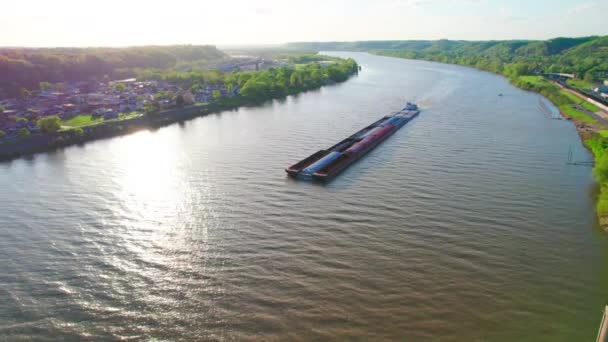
point(236, 45)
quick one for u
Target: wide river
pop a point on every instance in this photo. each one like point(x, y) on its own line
point(466, 225)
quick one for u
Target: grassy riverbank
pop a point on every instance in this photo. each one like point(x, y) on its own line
point(561, 98)
point(593, 133)
point(598, 144)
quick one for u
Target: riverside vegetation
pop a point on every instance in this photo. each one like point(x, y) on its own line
point(302, 72)
point(522, 62)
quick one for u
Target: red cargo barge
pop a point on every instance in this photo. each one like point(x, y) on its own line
point(325, 164)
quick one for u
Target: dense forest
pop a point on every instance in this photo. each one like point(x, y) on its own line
point(27, 67)
point(586, 57)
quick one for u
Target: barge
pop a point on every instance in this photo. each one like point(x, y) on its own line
point(325, 164)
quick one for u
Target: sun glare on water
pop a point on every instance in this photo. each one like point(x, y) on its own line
point(149, 175)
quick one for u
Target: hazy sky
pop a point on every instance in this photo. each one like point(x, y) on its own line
point(222, 22)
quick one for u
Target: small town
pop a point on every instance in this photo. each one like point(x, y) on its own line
point(85, 103)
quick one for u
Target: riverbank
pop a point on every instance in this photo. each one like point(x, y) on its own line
point(39, 143)
point(47, 142)
point(591, 129)
point(592, 132)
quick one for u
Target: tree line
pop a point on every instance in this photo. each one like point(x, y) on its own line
point(587, 57)
point(261, 85)
point(26, 68)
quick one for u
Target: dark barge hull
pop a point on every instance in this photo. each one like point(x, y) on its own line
point(339, 156)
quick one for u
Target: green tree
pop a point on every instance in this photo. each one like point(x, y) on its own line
point(216, 94)
point(151, 107)
point(45, 86)
point(2, 134)
point(61, 87)
point(119, 87)
point(24, 133)
point(50, 124)
point(25, 94)
point(195, 87)
point(163, 95)
point(2, 109)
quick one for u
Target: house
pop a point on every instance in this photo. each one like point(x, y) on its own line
point(5, 118)
point(7, 113)
point(9, 103)
point(101, 112)
point(127, 81)
point(111, 115)
point(188, 98)
point(165, 104)
point(70, 108)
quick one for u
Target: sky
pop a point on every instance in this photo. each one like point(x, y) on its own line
point(250, 22)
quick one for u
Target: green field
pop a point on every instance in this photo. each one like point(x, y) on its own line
point(81, 120)
point(88, 120)
point(539, 81)
point(578, 100)
point(589, 106)
point(127, 116)
point(580, 84)
point(535, 80)
point(577, 114)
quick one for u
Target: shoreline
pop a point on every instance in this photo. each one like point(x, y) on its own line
point(48, 142)
point(587, 132)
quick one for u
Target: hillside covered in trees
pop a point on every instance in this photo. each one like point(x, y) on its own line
point(587, 57)
point(27, 67)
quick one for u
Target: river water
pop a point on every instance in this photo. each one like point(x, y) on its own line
point(465, 225)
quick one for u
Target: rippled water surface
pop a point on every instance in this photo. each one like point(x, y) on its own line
point(465, 225)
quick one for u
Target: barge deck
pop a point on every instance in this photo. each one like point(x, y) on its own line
point(327, 163)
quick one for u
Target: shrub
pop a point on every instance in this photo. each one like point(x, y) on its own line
point(24, 133)
point(50, 124)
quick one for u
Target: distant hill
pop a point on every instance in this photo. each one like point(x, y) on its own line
point(493, 47)
point(586, 56)
point(27, 67)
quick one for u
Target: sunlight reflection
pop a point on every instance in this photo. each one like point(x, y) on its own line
point(148, 175)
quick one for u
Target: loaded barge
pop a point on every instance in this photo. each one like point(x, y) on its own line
point(325, 164)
